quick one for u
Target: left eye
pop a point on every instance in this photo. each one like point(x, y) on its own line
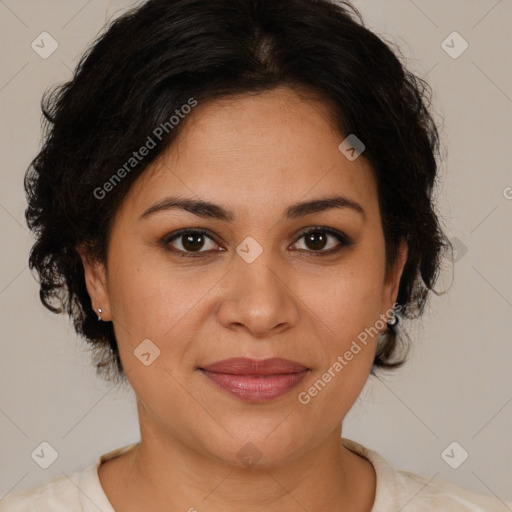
point(316, 239)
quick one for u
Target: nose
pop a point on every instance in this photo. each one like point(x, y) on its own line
point(258, 297)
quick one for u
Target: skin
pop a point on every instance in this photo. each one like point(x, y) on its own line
point(256, 155)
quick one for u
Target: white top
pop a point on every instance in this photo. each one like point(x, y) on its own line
point(82, 492)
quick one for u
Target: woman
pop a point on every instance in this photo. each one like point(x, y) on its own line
point(234, 205)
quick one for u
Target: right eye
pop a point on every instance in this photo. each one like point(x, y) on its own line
point(189, 242)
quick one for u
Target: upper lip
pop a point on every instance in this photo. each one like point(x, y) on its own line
point(247, 366)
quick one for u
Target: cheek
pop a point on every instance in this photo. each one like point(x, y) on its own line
point(146, 296)
point(160, 303)
point(348, 299)
point(346, 314)
point(346, 306)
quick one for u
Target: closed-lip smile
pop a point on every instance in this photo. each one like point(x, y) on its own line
point(255, 380)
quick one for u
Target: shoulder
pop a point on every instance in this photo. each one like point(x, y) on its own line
point(411, 492)
point(57, 495)
point(420, 494)
point(80, 491)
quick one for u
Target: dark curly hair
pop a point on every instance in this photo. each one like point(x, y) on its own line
point(149, 62)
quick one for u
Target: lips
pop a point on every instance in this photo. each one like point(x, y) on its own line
point(253, 380)
point(247, 366)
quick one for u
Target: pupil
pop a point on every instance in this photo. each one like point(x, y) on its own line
point(316, 238)
point(189, 242)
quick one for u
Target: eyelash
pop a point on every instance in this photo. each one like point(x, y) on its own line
point(344, 240)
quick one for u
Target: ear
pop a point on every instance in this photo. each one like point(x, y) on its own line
point(96, 282)
point(392, 279)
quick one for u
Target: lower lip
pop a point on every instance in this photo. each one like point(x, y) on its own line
point(256, 388)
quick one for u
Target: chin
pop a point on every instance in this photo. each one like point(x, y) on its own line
point(266, 445)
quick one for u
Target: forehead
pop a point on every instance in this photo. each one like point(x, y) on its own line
point(255, 152)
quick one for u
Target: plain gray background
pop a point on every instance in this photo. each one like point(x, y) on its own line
point(457, 383)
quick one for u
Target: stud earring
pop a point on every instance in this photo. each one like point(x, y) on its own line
point(392, 318)
point(99, 316)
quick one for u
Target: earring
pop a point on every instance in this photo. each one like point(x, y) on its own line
point(99, 316)
point(392, 318)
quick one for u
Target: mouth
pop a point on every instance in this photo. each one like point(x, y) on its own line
point(253, 380)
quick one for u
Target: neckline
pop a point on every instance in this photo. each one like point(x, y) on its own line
point(385, 475)
point(93, 496)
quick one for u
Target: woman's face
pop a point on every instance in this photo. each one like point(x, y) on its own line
point(254, 286)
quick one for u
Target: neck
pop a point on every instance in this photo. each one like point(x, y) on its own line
point(164, 473)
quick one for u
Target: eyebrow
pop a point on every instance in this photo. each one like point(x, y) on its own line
point(210, 210)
